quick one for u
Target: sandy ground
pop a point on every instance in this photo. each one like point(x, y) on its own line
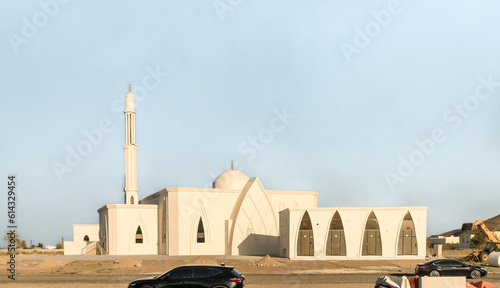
point(75, 272)
point(247, 286)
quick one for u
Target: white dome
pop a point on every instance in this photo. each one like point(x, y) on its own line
point(231, 179)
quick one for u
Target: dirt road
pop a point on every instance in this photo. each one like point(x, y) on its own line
point(67, 272)
point(253, 281)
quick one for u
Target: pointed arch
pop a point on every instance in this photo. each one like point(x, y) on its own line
point(131, 199)
point(134, 225)
point(86, 238)
point(335, 243)
point(305, 239)
point(254, 228)
point(200, 236)
point(407, 240)
point(200, 216)
point(138, 235)
point(372, 243)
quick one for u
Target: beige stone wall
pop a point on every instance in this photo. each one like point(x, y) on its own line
point(228, 231)
point(121, 227)
point(74, 247)
point(214, 207)
point(82, 230)
point(79, 232)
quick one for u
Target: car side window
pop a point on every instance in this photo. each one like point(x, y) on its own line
point(443, 263)
point(181, 273)
point(449, 263)
point(200, 272)
point(214, 271)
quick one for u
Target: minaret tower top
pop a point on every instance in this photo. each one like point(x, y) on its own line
point(130, 100)
point(131, 190)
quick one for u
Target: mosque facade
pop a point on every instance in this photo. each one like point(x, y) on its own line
point(238, 216)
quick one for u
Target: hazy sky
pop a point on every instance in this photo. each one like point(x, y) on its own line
point(370, 103)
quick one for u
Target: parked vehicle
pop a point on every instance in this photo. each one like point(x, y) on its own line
point(488, 249)
point(200, 276)
point(449, 267)
point(492, 246)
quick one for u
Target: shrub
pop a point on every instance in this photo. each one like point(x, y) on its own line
point(449, 246)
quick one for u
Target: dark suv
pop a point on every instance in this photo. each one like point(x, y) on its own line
point(194, 276)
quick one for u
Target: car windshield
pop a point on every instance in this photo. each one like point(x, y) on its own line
point(161, 275)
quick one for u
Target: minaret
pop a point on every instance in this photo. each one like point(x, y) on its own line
point(131, 195)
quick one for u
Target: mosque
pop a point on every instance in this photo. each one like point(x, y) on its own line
point(239, 216)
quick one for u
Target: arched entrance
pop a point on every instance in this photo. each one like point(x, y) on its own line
point(407, 244)
point(372, 243)
point(305, 240)
point(335, 243)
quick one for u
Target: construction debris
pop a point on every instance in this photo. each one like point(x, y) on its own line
point(429, 282)
point(482, 284)
point(268, 261)
point(494, 259)
point(385, 281)
point(130, 262)
point(51, 262)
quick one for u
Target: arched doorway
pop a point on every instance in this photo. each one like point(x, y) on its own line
point(407, 244)
point(305, 240)
point(335, 243)
point(372, 243)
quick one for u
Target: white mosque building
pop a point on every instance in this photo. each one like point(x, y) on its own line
point(238, 216)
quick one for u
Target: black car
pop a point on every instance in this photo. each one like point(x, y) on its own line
point(194, 276)
point(449, 267)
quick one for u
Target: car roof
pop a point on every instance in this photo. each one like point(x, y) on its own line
point(205, 266)
point(440, 260)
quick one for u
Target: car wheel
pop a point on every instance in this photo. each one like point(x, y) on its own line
point(474, 274)
point(483, 256)
point(434, 273)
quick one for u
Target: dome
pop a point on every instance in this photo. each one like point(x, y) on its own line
point(231, 179)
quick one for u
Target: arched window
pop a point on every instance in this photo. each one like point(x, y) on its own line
point(132, 200)
point(335, 244)
point(372, 244)
point(86, 238)
point(138, 235)
point(200, 236)
point(305, 240)
point(407, 244)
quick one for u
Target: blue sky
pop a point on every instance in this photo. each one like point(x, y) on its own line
point(389, 103)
